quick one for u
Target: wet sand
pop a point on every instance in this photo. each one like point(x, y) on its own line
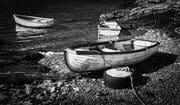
point(72, 20)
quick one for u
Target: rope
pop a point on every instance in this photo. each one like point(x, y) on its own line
point(105, 61)
point(132, 86)
point(133, 89)
point(126, 69)
point(103, 57)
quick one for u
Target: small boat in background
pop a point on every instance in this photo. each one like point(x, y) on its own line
point(27, 30)
point(108, 29)
point(33, 21)
point(103, 55)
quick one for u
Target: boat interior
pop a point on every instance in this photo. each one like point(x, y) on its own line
point(34, 19)
point(26, 17)
point(121, 46)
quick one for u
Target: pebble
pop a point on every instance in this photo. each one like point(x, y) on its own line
point(76, 89)
point(59, 84)
point(28, 89)
point(39, 97)
point(47, 82)
point(88, 89)
point(52, 89)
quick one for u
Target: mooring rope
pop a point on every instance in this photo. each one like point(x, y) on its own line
point(133, 89)
point(125, 69)
point(131, 78)
point(132, 85)
point(105, 61)
point(103, 57)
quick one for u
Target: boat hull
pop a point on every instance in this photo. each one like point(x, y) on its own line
point(48, 22)
point(96, 62)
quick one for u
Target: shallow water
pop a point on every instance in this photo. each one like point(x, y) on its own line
point(75, 22)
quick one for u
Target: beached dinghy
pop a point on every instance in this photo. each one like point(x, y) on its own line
point(104, 55)
point(32, 21)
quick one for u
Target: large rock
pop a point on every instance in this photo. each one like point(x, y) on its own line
point(167, 45)
point(144, 2)
point(140, 12)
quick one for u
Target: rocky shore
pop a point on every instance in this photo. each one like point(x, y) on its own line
point(40, 77)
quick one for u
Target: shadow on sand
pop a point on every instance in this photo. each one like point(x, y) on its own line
point(150, 65)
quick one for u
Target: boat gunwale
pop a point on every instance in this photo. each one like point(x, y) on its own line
point(71, 68)
point(41, 24)
point(34, 17)
point(106, 53)
point(116, 29)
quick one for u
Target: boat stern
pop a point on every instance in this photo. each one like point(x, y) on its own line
point(83, 62)
point(70, 60)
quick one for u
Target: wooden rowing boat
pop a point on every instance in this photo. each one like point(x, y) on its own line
point(104, 55)
point(32, 21)
point(108, 29)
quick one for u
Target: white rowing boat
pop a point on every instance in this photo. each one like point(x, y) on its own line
point(33, 21)
point(104, 55)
